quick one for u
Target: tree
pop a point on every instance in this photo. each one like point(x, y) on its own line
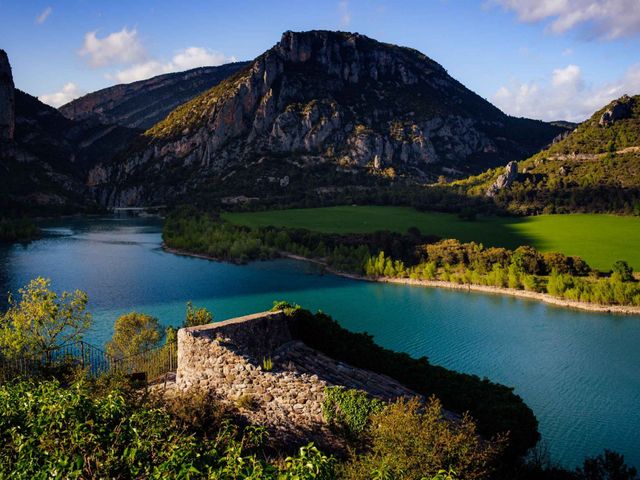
point(197, 316)
point(623, 269)
point(134, 333)
point(42, 321)
point(607, 466)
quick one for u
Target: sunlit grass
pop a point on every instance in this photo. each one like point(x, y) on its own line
point(599, 239)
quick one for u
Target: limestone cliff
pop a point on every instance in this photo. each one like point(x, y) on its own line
point(44, 157)
point(321, 108)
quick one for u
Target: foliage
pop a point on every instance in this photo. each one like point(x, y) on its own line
point(623, 269)
point(12, 230)
point(495, 407)
point(267, 364)
point(349, 409)
point(247, 402)
point(196, 411)
point(524, 268)
point(81, 431)
point(197, 316)
point(41, 321)
point(411, 441)
point(310, 463)
point(134, 333)
point(607, 466)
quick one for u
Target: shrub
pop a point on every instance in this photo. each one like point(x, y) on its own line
point(267, 364)
point(48, 431)
point(247, 402)
point(624, 270)
point(195, 411)
point(196, 316)
point(349, 410)
point(412, 441)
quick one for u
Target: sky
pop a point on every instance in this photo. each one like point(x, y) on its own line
point(545, 59)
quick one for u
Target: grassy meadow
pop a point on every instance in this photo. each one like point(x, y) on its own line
point(598, 239)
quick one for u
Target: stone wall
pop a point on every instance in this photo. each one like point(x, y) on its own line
point(226, 359)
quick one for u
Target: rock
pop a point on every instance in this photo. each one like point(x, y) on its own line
point(504, 180)
point(618, 110)
point(7, 99)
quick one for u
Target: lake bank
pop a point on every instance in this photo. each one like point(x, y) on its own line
point(540, 297)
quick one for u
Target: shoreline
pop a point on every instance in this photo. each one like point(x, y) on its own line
point(540, 297)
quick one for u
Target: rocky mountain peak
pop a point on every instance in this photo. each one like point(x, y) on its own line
point(7, 99)
point(342, 105)
point(617, 110)
point(355, 57)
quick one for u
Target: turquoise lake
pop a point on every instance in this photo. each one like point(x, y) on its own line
point(579, 371)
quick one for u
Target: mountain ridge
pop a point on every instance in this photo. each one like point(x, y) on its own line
point(143, 103)
point(319, 105)
point(596, 167)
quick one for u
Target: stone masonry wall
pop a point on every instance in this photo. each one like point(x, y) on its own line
point(226, 359)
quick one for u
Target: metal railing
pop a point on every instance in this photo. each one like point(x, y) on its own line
point(151, 364)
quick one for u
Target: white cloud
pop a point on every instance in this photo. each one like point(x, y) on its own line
point(568, 77)
point(69, 92)
point(608, 19)
point(116, 48)
point(565, 96)
point(40, 19)
point(186, 59)
point(193, 57)
point(345, 13)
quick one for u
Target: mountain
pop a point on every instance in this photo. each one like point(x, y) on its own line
point(142, 104)
point(595, 168)
point(318, 111)
point(45, 157)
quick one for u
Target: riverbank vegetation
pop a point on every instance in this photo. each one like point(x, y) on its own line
point(13, 230)
point(410, 256)
point(599, 239)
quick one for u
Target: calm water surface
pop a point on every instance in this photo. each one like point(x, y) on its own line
point(579, 371)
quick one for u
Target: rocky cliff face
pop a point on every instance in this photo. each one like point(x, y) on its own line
point(617, 110)
point(504, 180)
point(142, 104)
point(44, 157)
point(319, 108)
point(7, 101)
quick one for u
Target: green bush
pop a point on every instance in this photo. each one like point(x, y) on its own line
point(412, 441)
point(81, 431)
point(349, 409)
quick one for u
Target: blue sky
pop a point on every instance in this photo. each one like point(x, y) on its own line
point(549, 59)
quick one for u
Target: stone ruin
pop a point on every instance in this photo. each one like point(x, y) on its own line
point(227, 359)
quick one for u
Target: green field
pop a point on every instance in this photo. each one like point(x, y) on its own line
point(599, 239)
